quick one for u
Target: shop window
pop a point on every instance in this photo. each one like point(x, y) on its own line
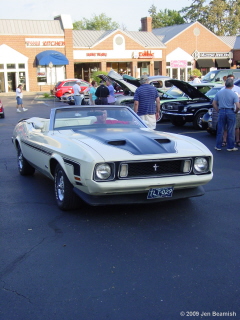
point(41, 75)
point(1, 66)
point(11, 66)
point(21, 65)
point(168, 64)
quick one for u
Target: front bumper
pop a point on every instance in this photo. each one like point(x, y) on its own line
point(175, 115)
point(136, 198)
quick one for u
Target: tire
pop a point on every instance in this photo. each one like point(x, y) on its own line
point(25, 169)
point(160, 117)
point(2, 115)
point(197, 123)
point(64, 194)
point(178, 123)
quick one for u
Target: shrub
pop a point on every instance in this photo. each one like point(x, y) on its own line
point(95, 75)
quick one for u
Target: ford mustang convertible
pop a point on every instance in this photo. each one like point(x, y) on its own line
point(106, 155)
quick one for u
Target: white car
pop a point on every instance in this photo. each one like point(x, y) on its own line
point(107, 155)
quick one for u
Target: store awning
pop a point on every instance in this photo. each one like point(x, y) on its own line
point(223, 63)
point(205, 63)
point(45, 57)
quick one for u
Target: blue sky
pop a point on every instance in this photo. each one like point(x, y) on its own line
point(127, 13)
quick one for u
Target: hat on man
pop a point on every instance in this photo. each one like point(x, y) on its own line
point(78, 81)
point(143, 78)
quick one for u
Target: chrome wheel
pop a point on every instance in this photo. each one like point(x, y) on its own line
point(60, 186)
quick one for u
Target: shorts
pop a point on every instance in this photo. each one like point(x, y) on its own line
point(150, 120)
point(19, 100)
point(238, 120)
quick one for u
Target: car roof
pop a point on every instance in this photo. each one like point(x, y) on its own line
point(159, 78)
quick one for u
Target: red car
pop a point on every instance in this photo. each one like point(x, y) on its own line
point(66, 86)
point(1, 110)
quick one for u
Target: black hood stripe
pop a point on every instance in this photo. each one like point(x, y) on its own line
point(136, 141)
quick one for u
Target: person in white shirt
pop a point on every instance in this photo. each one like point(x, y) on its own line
point(196, 80)
point(19, 96)
point(77, 93)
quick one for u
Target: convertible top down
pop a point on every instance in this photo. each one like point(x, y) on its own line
point(107, 155)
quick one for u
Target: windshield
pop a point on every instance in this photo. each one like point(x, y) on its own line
point(210, 76)
point(212, 92)
point(95, 117)
point(175, 92)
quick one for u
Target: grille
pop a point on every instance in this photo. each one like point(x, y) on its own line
point(155, 168)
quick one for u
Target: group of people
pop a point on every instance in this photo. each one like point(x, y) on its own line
point(98, 95)
point(226, 103)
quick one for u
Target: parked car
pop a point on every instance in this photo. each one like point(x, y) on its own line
point(175, 93)
point(2, 115)
point(69, 99)
point(159, 82)
point(217, 75)
point(106, 155)
point(180, 112)
point(65, 87)
point(211, 117)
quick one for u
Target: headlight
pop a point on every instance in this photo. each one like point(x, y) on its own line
point(103, 171)
point(201, 165)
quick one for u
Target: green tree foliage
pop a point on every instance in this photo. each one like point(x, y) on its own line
point(101, 22)
point(164, 18)
point(220, 16)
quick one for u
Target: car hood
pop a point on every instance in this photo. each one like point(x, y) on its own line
point(137, 142)
point(188, 89)
point(119, 79)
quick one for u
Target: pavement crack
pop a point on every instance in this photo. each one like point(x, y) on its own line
point(15, 292)
point(18, 260)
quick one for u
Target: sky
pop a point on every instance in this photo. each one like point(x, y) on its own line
point(127, 13)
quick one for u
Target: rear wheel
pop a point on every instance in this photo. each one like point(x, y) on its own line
point(178, 123)
point(64, 194)
point(25, 169)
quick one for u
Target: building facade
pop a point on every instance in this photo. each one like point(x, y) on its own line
point(38, 54)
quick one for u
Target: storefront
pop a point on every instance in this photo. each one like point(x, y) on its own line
point(117, 51)
point(13, 69)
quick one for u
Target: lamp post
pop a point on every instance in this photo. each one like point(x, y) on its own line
point(50, 66)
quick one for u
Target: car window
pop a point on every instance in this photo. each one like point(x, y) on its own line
point(84, 84)
point(168, 84)
point(220, 75)
point(175, 92)
point(58, 84)
point(236, 74)
point(80, 118)
point(203, 89)
point(157, 84)
point(212, 92)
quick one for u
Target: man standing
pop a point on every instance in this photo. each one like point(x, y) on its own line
point(147, 102)
point(102, 94)
point(224, 103)
point(77, 93)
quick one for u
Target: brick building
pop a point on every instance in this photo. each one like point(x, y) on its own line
point(40, 53)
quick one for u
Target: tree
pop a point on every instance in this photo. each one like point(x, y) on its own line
point(101, 22)
point(220, 16)
point(196, 12)
point(164, 18)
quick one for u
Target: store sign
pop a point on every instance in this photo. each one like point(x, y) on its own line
point(212, 55)
point(116, 54)
point(41, 74)
point(96, 54)
point(178, 63)
point(36, 42)
point(148, 54)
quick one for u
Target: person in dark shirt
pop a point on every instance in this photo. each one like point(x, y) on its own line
point(102, 94)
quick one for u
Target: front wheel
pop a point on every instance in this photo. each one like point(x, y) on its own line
point(64, 194)
point(197, 121)
point(178, 123)
point(25, 169)
point(160, 117)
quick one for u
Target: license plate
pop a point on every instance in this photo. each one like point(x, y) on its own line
point(160, 193)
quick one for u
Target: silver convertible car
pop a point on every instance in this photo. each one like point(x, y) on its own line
point(106, 155)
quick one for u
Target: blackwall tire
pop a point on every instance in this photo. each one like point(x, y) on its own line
point(64, 194)
point(24, 168)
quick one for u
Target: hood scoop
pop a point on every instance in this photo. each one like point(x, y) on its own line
point(161, 141)
point(117, 142)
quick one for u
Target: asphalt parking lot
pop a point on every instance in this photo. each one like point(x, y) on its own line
point(174, 260)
